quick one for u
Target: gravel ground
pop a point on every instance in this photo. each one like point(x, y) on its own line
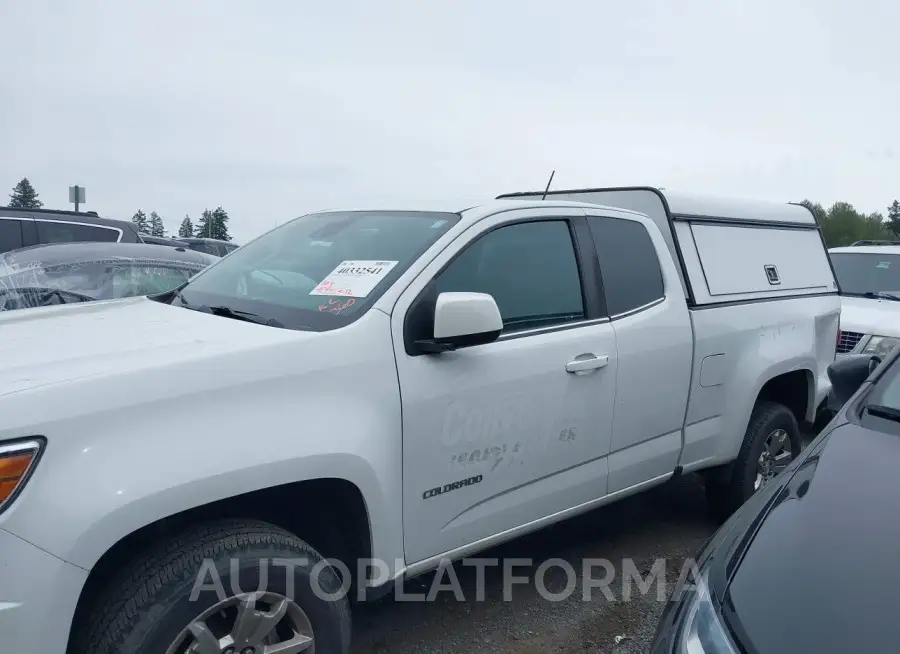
point(669, 521)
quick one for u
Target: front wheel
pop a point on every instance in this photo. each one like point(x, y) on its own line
point(231, 587)
point(771, 442)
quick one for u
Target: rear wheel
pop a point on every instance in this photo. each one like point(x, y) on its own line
point(231, 587)
point(771, 442)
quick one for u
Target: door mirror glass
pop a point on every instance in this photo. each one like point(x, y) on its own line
point(847, 375)
point(463, 319)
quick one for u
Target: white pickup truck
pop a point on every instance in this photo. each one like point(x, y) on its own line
point(398, 387)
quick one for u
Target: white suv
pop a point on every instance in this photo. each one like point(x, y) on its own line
point(869, 276)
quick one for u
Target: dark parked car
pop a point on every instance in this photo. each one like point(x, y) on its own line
point(25, 227)
point(809, 564)
point(80, 272)
point(209, 245)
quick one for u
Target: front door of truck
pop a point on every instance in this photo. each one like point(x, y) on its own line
point(497, 436)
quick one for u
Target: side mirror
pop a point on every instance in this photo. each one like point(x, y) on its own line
point(463, 319)
point(848, 374)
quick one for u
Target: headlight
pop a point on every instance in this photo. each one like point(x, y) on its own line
point(880, 345)
point(702, 631)
point(17, 460)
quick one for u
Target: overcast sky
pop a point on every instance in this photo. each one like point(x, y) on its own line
point(275, 108)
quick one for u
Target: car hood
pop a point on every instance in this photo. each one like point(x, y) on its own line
point(52, 345)
point(870, 316)
point(821, 573)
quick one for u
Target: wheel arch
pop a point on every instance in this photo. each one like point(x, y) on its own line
point(795, 389)
point(346, 535)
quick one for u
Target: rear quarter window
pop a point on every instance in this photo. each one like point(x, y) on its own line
point(64, 232)
point(632, 277)
point(10, 234)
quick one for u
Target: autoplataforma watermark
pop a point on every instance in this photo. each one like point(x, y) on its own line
point(614, 583)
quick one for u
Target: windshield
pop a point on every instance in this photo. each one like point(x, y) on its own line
point(886, 392)
point(317, 272)
point(861, 273)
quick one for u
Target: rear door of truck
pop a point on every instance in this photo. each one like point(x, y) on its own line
point(647, 309)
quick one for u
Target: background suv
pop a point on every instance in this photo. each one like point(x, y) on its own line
point(869, 275)
point(25, 227)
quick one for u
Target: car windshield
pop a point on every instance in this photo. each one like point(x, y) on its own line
point(886, 392)
point(36, 284)
point(860, 273)
point(317, 272)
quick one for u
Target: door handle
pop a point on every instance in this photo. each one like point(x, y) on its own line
point(590, 362)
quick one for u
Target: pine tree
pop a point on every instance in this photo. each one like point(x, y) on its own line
point(24, 196)
point(220, 224)
point(893, 218)
point(157, 228)
point(140, 222)
point(187, 227)
point(203, 228)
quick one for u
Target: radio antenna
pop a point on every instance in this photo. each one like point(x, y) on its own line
point(549, 182)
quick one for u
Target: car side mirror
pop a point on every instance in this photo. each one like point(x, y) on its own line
point(463, 319)
point(848, 374)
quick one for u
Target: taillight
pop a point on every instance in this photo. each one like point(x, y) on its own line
point(17, 460)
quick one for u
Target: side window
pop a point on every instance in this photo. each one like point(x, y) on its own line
point(529, 268)
point(10, 234)
point(55, 232)
point(133, 280)
point(629, 264)
point(86, 277)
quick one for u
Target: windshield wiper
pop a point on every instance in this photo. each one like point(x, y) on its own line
point(880, 295)
point(246, 316)
point(184, 303)
point(882, 411)
point(228, 312)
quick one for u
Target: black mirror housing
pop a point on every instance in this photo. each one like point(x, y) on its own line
point(847, 375)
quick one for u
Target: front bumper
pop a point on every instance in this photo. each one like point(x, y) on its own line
point(38, 595)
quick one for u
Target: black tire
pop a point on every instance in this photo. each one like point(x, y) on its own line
point(149, 604)
point(726, 493)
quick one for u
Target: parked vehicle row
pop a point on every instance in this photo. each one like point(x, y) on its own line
point(404, 386)
point(24, 227)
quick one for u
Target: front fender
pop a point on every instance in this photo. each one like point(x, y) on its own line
point(108, 473)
